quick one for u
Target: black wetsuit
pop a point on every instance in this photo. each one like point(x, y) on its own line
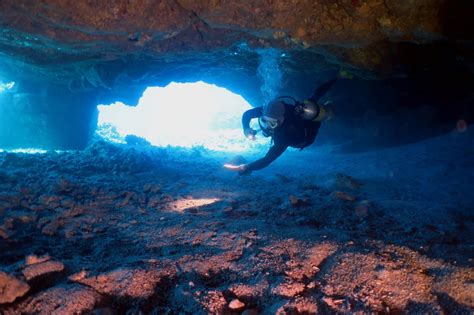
point(294, 131)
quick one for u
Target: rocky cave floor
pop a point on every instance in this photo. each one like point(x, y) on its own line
point(120, 229)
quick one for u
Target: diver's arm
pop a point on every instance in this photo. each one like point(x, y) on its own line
point(272, 154)
point(321, 90)
point(249, 115)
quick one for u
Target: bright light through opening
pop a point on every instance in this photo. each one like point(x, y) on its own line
point(180, 114)
point(6, 86)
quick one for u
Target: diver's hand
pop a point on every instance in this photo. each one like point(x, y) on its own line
point(250, 133)
point(242, 169)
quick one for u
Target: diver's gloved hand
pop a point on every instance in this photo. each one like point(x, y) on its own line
point(242, 169)
point(250, 133)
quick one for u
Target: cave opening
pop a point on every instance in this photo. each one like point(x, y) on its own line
point(179, 115)
point(127, 183)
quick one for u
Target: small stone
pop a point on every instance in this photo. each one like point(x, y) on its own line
point(11, 288)
point(236, 305)
point(311, 285)
point(28, 218)
point(345, 181)
point(46, 269)
point(37, 207)
point(33, 259)
point(78, 276)
point(343, 196)
point(4, 233)
point(51, 228)
point(332, 302)
point(293, 200)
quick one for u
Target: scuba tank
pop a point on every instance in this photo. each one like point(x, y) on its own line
point(308, 110)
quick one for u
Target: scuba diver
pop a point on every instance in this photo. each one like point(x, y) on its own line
point(288, 122)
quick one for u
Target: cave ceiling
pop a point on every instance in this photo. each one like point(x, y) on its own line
point(109, 45)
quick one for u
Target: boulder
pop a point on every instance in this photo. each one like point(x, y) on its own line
point(45, 270)
point(236, 305)
point(129, 283)
point(11, 288)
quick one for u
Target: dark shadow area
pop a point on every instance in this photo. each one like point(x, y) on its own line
point(450, 306)
point(456, 19)
point(434, 97)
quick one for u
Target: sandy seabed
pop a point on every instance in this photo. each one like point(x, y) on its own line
point(120, 229)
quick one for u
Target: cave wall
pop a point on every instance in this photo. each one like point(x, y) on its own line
point(407, 59)
point(50, 117)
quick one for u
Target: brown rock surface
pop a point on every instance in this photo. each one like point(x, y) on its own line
point(65, 299)
point(85, 37)
point(129, 283)
point(236, 305)
point(44, 270)
point(33, 259)
point(11, 288)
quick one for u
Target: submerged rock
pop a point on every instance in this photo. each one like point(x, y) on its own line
point(43, 271)
point(345, 181)
point(63, 299)
point(236, 305)
point(4, 233)
point(343, 196)
point(11, 288)
point(128, 283)
point(33, 259)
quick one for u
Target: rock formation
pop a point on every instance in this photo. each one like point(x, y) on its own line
point(92, 52)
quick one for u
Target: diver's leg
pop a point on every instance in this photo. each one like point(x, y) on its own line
point(321, 90)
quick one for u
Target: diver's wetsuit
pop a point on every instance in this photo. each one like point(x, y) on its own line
point(294, 131)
